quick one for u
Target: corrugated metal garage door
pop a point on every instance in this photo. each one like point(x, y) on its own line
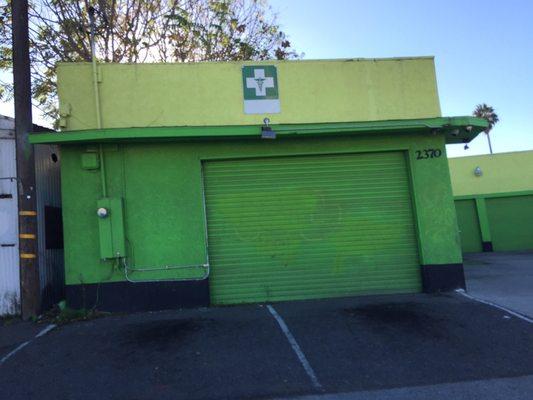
point(310, 227)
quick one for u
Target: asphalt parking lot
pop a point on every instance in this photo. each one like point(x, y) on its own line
point(364, 345)
point(377, 347)
point(502, 278)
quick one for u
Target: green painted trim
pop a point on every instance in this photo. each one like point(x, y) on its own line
point(483, 217)
point(493, 195)
point(446, 126)
point(409, 161)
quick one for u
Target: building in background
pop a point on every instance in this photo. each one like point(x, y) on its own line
point(50, 239)
point(494, 201)
point(221, 183)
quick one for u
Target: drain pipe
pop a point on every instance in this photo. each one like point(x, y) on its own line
point(97, 98)
point(95, 71)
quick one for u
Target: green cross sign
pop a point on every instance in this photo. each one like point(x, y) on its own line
point(260, 89)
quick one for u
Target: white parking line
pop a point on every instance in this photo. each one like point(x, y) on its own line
point(22, 345)
point(489, 303)
point(294, 344)
point(19, 347)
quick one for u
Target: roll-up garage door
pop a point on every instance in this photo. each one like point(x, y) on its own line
point(303, 227)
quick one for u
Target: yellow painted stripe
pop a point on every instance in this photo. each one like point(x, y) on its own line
point(27, 236)
point(27, 255)
point(28, 213)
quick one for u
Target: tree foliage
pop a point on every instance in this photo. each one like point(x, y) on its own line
point(486, 112)
point(136, 31)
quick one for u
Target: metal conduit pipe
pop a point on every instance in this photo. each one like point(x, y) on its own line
point(96, 90)
point(206, 266)
point(127, 270)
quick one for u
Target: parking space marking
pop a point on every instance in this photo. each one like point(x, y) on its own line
point(294, 344)
point(22, 345)
point(12, 352)
point(489, 303)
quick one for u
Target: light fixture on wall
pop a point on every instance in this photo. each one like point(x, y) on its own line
point(478, 171)
point(266, 130)
point(455, 132)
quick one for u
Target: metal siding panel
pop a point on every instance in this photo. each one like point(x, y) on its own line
point(309, 227)
point(51, 265)
point(9, 256)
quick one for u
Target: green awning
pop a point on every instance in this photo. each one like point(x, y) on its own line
point(456, 130)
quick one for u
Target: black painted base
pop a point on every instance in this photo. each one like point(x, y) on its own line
point(487, 246)
point(442, 278)
point(131, 297)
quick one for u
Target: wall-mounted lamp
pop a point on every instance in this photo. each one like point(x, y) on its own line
point(266, 130)
point(478, 171)
point(102, 212)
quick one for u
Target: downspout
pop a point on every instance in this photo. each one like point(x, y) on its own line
point(96, 91)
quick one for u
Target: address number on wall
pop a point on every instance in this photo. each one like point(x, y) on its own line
point(428, 153)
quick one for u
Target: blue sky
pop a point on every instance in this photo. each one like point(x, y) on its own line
point(483, 51)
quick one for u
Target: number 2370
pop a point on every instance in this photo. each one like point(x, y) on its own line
point(428, 153)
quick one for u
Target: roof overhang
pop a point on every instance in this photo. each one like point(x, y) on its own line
point(455, 129)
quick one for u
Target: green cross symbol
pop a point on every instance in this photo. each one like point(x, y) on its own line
point(259, 82)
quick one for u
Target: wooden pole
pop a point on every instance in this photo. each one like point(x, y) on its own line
point(27, 201)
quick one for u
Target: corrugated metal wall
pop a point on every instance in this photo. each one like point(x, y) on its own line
point(48, 183)
point(9, 252)
point(51, 265)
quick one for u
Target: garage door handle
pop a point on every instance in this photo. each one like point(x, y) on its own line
point(7, 245)
point(6, 196)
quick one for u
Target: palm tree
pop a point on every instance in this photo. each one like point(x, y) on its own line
point(487, 112)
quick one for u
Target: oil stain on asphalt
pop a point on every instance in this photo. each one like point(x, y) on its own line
point(162, 334)
point(407, 318)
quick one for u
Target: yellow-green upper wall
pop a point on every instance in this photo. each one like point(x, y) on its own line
point(501, 173)
point(141, 95)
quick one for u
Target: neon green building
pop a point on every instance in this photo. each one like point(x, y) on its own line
point(223, 183)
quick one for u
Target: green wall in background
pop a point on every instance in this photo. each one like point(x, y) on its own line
point(161, 184)
point(501, 173)
point(505, 191)
point(511, 222)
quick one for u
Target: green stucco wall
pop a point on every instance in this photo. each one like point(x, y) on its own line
point(161, 184)
point(200, 94)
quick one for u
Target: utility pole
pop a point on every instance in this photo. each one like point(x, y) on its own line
point(27, 201)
